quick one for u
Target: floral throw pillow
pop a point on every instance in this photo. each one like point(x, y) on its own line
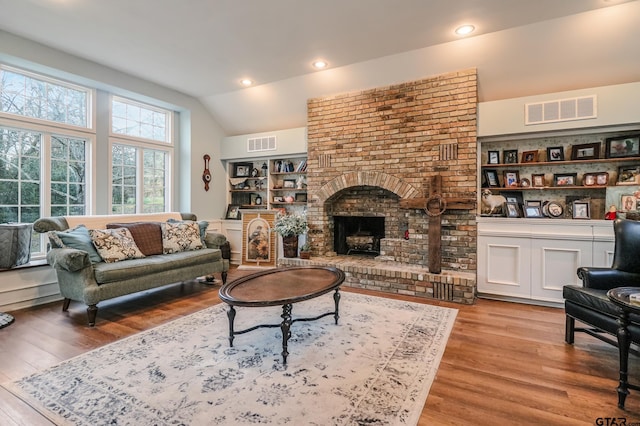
point(180, 236)
point(115, 245)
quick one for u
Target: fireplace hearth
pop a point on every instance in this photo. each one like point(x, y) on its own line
point(358, 234)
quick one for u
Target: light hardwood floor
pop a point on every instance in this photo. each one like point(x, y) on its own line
point(505, 363)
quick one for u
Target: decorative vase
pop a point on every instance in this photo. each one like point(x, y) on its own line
point(290, 246)
point(305, 255)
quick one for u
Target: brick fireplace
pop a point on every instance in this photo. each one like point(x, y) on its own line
point(368, 150)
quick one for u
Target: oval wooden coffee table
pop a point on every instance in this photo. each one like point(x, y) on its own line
point(281, 287)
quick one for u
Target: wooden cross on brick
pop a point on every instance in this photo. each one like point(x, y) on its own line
point(435, 205)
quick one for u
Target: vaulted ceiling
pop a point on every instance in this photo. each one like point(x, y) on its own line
point(204, 47)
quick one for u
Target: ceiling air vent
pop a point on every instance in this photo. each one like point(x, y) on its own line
point(561, 110)
point(266, 143)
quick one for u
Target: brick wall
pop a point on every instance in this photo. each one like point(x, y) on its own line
point(367, 150)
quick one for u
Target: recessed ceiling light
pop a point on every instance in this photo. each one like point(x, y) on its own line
point(320, 64)
point(465, 30)
point(246, 82)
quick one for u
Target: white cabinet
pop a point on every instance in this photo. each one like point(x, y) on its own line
point(532, 259)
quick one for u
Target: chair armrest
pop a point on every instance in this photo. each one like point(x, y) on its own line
point(68, 259)
point(607, 278)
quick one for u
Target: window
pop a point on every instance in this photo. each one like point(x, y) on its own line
point(139, 121)
point(140, 157)
point(37, 97)
point(31, 188)
point(139, 179)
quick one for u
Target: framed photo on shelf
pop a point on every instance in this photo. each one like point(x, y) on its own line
point(589, 179)
point(510, 156)
point(564, 179)
point(530, 157)
point(493, 157)
point(581, 210)
point(555, 209)
point(555, 153)
point(491, 178)
point(628, 175)
point(289, 183)
point(533, 203)
point(233, 212)
point(511, 178)
point(623, 146)
point(513, 197)
point(513, 210)
point(301, 197)
point(532, 211)
point(278, 199)
point(629, 203)
point(602, 179)
point(537, 180)
point(242, 169)
point(525, 183)
point(587, 151)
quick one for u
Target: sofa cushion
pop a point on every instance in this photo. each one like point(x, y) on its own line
point(107, 273)
point(77, 238)
point(180, 236)
point(115, 245)
point(147, 235)
point(202, 226)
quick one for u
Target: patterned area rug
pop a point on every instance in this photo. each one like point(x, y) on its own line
point(375, 368)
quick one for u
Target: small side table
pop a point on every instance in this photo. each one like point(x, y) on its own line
point(620, 297)
point(6, 320)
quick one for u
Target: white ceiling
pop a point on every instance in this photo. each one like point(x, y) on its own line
point(204, 47)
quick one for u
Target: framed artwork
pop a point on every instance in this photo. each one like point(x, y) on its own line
point(537, 181)
point(493, 157)
point(530, 156)
point(564, 179)
point(525, 183)
point(233, 212)
point(301, 197)
point(624, 146)
point(628, 175)
point(581, 210)
point(513, 197)
point(511, 178)
point(289, 183)
point(532, 211)
point(602, 178)
point(510, 156)
point(589, 179)
point(259, 248)
point(629, 203)
point(513, 210)
point(242, 169)
point(555, 153)
point(491, 178)
point(278, 199)
point(555, 209)
point(587, 151)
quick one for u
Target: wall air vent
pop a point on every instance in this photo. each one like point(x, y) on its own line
point(581, 108)
point(266, 143)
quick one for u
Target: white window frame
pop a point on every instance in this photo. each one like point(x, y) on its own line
point(169, 122)
point(91, 103)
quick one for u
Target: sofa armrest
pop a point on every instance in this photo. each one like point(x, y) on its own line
point(607, 278)
point(216, 240)
point(68, 259)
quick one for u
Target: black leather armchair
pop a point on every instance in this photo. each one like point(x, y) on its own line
point(590, 305)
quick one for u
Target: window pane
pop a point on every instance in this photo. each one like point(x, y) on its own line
point(45, 99)
point(138, 120)
point(68, 175)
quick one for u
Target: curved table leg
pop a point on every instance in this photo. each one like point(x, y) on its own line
point(624, 342)
point(231, 314)
point(336, 301)
point(285, 326)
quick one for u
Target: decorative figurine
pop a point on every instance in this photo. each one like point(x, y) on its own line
point(612, 214)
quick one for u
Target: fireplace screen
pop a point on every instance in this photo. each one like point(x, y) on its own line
point(358, 234)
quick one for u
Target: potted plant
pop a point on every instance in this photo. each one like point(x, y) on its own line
point(290, 226)
point(305, 250)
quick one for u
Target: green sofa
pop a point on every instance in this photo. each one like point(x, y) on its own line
point(81, 278)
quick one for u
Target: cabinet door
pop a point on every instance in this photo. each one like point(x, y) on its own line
point(233, 231)
point(504, 266)
point(554, 263)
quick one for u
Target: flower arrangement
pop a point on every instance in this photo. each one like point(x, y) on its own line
point(289, 225)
